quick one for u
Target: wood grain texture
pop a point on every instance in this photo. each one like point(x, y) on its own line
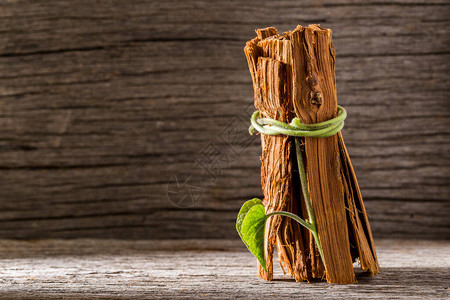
point(102, 104)
point(193, 269)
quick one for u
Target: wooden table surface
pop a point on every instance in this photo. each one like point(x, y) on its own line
point(212, 269)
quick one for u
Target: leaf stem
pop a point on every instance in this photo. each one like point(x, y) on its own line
point(309, 224)
point(305, 190)
point(293, 216)
point(311, 227)
point(303, 181)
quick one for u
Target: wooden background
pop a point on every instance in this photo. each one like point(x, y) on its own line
point(102, 103)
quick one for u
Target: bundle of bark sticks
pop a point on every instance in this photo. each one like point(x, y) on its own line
point(293, 76)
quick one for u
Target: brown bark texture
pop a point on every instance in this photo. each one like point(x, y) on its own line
point(293, 76)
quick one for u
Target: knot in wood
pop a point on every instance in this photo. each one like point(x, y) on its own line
point(315, 98)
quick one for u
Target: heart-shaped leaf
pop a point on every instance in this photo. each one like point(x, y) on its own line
point(250, 225)
point(243, 212)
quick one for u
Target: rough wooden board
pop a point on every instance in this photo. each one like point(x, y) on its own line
point(88, 142)
point(111, 269)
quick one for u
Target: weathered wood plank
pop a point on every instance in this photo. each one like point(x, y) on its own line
point(218, 269)
point(103, 24)
point(135, 219)
point(91, 100)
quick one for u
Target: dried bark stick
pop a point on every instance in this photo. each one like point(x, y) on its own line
point(276, 170)
point(361, 234)
point(314, 94)
point(269, 144)
point(296, 246)
point(272, 99)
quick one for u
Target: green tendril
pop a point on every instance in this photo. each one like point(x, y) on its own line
point(296, 128)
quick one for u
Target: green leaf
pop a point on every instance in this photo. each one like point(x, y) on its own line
point(250, 225)
point(243, 212)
